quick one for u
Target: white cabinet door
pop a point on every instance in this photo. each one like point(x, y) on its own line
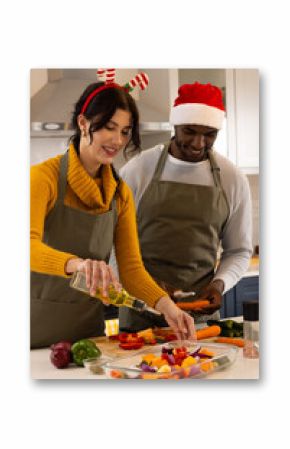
point(242, 90)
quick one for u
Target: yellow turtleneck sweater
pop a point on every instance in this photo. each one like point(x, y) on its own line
point(93, 196)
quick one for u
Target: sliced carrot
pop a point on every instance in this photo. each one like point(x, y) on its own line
point(208, 332)
point(232, 341)
point(116, 374)
point(205, 351)
point(193, 305)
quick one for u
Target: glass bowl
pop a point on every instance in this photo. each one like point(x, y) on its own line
point(129, 367)
point(95, 365)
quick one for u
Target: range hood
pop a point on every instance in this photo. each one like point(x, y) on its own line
point(52, 105)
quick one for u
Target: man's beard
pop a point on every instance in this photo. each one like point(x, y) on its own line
point(183, 148)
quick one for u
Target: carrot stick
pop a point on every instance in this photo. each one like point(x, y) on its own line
point(232, 341)
point(208, 332)
point(193, 305)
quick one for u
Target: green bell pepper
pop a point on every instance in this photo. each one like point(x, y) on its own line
point(84, 349)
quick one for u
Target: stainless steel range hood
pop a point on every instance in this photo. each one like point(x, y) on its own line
point(52, 105)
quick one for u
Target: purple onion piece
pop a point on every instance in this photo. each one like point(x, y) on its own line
point(194, 370)
point(171, 359)
point(146, 368)
point(204, 356)
point(196, 352)
point(166, 350)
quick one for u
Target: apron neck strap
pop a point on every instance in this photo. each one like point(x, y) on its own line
point(161, 162)
point(162, 159)
point(62, 180)
point(214, 169)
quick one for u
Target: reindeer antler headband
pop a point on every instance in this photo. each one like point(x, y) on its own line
point(108, 76)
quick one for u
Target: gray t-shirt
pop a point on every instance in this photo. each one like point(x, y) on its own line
point(237, 238)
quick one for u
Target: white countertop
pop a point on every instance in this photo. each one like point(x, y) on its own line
point(42, 368)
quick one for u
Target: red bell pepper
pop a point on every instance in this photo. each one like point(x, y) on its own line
point(130, 341)
point(123, 337)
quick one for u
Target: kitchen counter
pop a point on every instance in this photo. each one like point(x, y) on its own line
point(41, 367)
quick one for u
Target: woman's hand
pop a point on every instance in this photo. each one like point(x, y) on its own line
point(99, 275)
point(180, 322)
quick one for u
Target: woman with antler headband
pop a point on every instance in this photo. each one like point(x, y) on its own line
point(79, 209)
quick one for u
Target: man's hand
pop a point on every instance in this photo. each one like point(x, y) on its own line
point(213, 292)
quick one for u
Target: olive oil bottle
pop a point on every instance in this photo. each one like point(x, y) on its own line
point(118, 299)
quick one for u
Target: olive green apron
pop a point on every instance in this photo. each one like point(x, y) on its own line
point(180, 227)
point(57, 311)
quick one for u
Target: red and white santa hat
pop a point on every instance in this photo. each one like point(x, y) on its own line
point(198, 104)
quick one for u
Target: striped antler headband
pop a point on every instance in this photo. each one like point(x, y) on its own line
point(108, 76)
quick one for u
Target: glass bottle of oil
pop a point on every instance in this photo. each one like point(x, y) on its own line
point(118, 299)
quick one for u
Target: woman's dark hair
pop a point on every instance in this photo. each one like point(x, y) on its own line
point(101, 109)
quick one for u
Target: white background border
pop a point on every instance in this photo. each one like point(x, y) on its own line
point(209, 34)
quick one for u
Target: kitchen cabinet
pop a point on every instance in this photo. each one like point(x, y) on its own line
point(242, 105)
point(228, 307)
point(247, 289)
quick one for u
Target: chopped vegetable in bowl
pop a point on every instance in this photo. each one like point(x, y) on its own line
point(175, 360)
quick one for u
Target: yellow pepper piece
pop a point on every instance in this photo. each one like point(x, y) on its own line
point(189, 361)
point(147, 334)
point(164, 369)
point(158, 362)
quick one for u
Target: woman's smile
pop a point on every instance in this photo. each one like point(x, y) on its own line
point(110, 151)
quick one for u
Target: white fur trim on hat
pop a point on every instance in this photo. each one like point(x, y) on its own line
point(197, 114)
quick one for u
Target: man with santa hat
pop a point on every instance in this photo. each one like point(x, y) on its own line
point(192, 204)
